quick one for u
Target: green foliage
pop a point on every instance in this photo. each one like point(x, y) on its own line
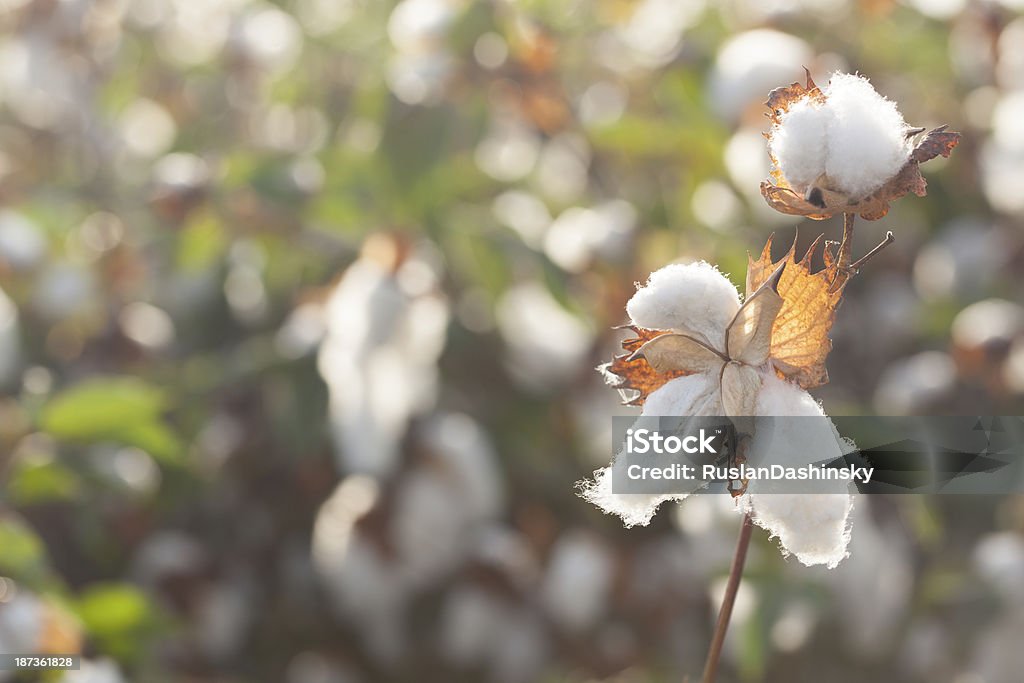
point(120, 409)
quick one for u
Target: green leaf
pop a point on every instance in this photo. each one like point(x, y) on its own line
point(23, 554)
point(97, 408)
point(121, 409)
point(42, 482)
point(113, 610)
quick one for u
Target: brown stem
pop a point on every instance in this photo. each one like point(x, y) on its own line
point(889, 239)
point(846, 246)
point(731, 588)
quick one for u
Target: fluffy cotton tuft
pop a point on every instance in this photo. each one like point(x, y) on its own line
point(867, 141)
point(800, 144)
point(690, 395)
point(693, 298)
point(856, 138)
point(812, 526)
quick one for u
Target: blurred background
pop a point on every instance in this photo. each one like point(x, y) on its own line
point(300, 304)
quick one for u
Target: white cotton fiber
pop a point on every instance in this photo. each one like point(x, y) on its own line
point(635, 509)
point(867, 142)
point(692, 395)
point(799, 145)
point(813, 526)
point(857, 138)
point(693, 298)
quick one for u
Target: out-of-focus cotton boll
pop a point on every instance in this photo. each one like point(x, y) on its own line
point(22, 245)
point(814, 527)
point(301, 332)
point(910, 385)
point(579, 235)
point(938, 9)
point(999, 558)
point(322, 17)
point(880, 565)
point(420, 25)
point(603, 103)
point(224, 616)
point(509, 151)
point(751, 64)
point(478, 629)
point(546, 344)
point(1013, 369)
point(62, 290)
point(101, 670)
point(691, 395)
point(794, 627)
point(991, 324)
point(525, 213)
point(716, 205)
point(578, 580)
point(856, 138)
point(146, 128)
point(1002, 157)
point(562, 168)
point(10, 341)
point(362, 582)
point(418, 30)
point(193, 33)
point(21, 621)
point(440, 509)
point(693, 298)
point(998, 656)
point(1010, 65)
point(167, 554)
point(379, 355)
point(147, 325)
point(961, 262)
point(269, 37)
point(419, 78)
point(35, 82)
point(468, 455)
point(654, 32)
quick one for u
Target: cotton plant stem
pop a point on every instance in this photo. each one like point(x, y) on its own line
point(731, 589)
point(844, 268)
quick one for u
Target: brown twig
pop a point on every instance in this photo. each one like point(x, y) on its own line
point(731, 589)
point(889, 239)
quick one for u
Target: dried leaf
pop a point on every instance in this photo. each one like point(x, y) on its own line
point(748, 337)
point(669, 352)
point(800, 341)
point(628, 374)
point(780, 99)
point(740, 385)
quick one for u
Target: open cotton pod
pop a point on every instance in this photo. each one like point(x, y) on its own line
point(844, 149)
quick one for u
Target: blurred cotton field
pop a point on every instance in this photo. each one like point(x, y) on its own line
point(300, 304)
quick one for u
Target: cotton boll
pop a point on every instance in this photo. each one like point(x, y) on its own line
point(10, 340)
point(635, 509)
point(692, 298)
point(880, 565)
point(578, 580)
point(812, 526)
point(999, 558)
point(799, 143)
point(691, 395)
point(867, 142)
